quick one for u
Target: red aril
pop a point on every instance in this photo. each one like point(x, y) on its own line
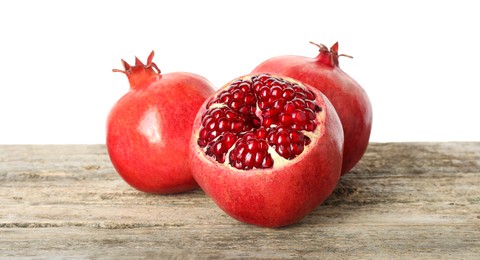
point(347, 96)
point(149, 128)
point(267, 149)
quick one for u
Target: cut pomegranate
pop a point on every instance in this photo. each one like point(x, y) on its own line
point(255, 113)
point(273, 135)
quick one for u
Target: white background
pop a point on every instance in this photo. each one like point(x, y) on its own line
point(417, 60)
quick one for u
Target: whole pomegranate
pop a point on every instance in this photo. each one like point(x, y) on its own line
point(149, 128)
point(267, 149)
point(347, 96)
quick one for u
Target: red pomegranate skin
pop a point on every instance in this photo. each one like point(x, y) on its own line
point(281, 195)
point(149, 128)
point(347, 96)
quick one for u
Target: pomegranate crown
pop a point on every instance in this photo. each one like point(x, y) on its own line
point(140, 75)
point(128, 69)
point(329, 55)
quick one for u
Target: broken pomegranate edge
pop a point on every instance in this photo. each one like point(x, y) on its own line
point(284, 192)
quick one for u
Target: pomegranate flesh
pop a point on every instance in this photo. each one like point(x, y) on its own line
point(149, 128)
point(267, 149)
point(347, 96)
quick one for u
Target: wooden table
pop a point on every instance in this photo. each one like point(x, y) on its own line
point(403, 200)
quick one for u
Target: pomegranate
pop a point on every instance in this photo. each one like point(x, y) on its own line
point(267, 149)
point(149, 128)
point(347, 96)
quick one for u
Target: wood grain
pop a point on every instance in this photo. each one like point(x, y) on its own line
point(403, 200)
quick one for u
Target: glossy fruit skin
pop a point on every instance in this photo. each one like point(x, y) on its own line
point(347, 96)
point(149, 128)
point(277, 196)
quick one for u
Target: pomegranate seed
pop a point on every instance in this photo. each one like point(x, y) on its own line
point(299, 117)
point(271, 112)
point(278, 104)
point(230, 114)
point(206, 120)
point(250, 99)
point(223, 124)
point(235, 104)
point(276, 92)
point(307, 140)
point(211, 125)
point(261, 133)
point(288, 94)
point(244, 110)
point(257, 85)
point(238, 95)
point(249, 160)
point(299, 103)
point(249, 136)
point(297, 148)
point(297, 88)
point(264, 93)
point(283, 138)
point(271, 138)
point(230, 140)
point(212, 135)
point(264, 78)
point(245, 87)
point(259, 157)
point(285, 119)
point(203, 133)
point(236, 83)
point(256, 122)
point(283, 151)
point(267, 122)
point(267, 162)
point(238, 164)
point(220, 158)
point(262, 105)
point(237, 126)
point(219, 147)
point(202, 142)
point(263, 145)
point(240, 152)
point(252, 144)
point(310, 126)
point(225, 97)
point(297, 127)
point(296, 137)
point(310, 114)
point(289, 108)
point(309, 94)
point(310, 104)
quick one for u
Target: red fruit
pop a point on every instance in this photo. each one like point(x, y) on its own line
point(262, 168)
point(149, 128)
point(347, 96)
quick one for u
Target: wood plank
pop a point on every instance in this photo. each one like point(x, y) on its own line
point(403, 200)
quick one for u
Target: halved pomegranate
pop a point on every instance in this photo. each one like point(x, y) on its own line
point(267, 149)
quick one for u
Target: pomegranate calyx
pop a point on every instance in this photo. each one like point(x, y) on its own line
point(140, 73)
point(329, 56)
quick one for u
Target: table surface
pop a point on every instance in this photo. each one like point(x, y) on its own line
point(403, 200)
